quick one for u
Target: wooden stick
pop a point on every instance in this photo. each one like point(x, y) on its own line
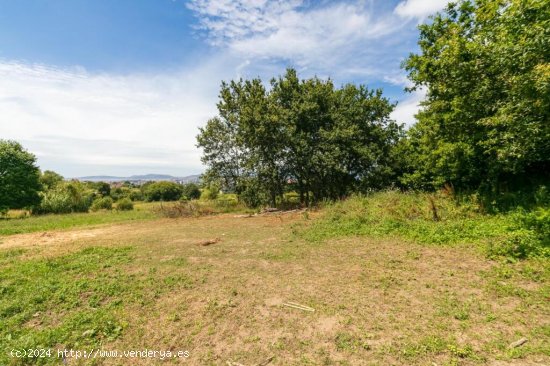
point(299, 307)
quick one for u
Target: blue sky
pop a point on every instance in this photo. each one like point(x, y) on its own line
point(120, 87)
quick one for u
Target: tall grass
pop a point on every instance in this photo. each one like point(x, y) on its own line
point(431, 219)
point(26, 224)
point(225, 203)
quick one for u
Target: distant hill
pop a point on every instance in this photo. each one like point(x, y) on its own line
point(145, 177)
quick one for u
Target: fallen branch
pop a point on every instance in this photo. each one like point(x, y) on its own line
point(266, 362)
point(518, 343)
point(298, 306)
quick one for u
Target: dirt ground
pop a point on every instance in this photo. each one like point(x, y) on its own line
point(375, 301)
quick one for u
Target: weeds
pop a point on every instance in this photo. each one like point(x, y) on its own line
point(435, 219)
point(196, 208)
point(30, 224)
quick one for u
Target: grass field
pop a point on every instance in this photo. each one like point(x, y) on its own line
point(381, 297)
point(19, 222)
point(25, 224)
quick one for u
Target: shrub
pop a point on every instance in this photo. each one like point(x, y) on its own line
point(252, 196)
point(227, 200)
point(135, 194)
point(125, 204)
point(162, 191)
point(103, 188)
point(65, 198)
point(209, 194)
point(103, 203)
point(50, 179)
point(120, 193)
point(191, 191)
point(435, 219)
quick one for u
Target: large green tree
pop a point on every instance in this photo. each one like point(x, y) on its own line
point(305, 135)
point(19, 177)
point(485, 125)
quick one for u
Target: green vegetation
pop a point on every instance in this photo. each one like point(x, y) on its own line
point(125, 204)
point(191, 191)
point(484, 128)
point(78, 299)
point(308, 136)
point(65, 221)
point(485, 124)
point(50, 179)
point(50, 290)
point(162, 191)
point(102, 203)
point(384, 299)
point(435, 219)
point(223, 203)
point(65, 197)
point(429, 246)
point(19, 177)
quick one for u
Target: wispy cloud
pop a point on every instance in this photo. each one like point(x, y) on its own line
point(84, 123)
point(335, 38)
point(408, 107)
point(419, 8)
point(107, 121)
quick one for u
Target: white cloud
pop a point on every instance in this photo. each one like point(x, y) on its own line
point(83, 124)
point(338, 37)
point(419, 8)
point(408, 107)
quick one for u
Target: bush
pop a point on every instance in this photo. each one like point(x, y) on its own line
point(125, 204)
point(135, 194)
point(120, 193)
point(191, 191)
point(103, 203)
point(209, 193)
point(227, 200)
point(65, 198)
point(162, 191)
point(103, 188)
point(252, 196)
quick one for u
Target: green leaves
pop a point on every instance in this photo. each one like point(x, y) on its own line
point(485, 122)
point(19, 177)
point(304, 135)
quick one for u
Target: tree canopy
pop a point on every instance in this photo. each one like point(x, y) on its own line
point(19, 177)
point(306, 135)
point(50, 179)
point(485, 123)
point(162, 191)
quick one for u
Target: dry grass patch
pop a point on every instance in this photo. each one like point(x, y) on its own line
point(377, 301)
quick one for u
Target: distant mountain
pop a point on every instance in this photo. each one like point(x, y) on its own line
point(145, 177)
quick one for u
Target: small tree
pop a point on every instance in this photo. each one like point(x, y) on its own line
point(19, 177)
point(163, 191)
point(50, 179)
point(191, 191)
point(103, 188)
